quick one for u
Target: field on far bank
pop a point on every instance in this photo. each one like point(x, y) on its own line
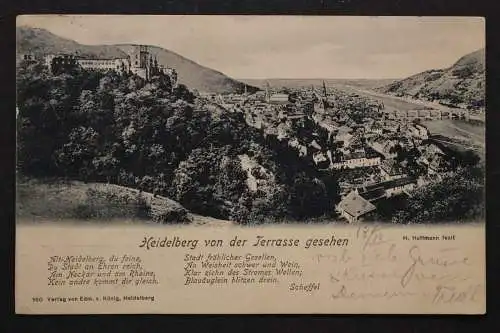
point(458, 129)
point(391, 103)
point(316, 82)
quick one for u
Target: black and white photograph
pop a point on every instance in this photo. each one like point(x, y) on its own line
point(250, 120)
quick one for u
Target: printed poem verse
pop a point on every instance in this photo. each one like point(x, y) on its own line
point(223, 268)
point(86, 270)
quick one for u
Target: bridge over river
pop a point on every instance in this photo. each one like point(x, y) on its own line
point(462, 127)
point(401, 108)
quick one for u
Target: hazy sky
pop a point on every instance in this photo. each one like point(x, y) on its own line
point(286, 46)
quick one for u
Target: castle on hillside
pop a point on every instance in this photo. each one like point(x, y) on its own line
point(139, 61)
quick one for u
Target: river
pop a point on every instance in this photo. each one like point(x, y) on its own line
point(451, 128)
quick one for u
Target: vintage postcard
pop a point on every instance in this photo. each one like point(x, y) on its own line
point(250, 164)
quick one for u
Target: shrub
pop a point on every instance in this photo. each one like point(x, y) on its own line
point(172, 216)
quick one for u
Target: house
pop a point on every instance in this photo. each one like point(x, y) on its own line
point(419, 132)
point(283, 131)
point(390, 169)
point(373, 192)
point(438, 165)
point(387, 189)
point(278, 99)
point(405, 142)
point(353, 207)
point(368, 123)
point(356, 143)
point(429, 152)
point(314, 146)
point(344, 135)
point(356, 159)
point(376, 128)
point(398, 186)
point(321, 160)
point(431, 149)
point(390, 127)
point(384, 147)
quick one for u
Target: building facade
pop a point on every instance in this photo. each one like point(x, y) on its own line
point(419, 132)
point(353, 207)
point(119, 64)
point(353, 163)
point(139, 62)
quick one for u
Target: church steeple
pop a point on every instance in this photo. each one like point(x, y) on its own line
point(268, 97)
point(325, 96)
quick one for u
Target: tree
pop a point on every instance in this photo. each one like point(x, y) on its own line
point(182, 92)
point(309, 197)
point(457, 197)
point(75, 158)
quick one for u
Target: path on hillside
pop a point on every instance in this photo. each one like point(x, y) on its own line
point(458, 144)
point(477, 136)
point(402, 99)
point(159, 203)
point(417, 102)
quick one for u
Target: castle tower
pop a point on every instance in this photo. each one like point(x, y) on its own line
point(139, 56)
point(139, 61)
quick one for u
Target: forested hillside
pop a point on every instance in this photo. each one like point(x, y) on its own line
point(463, 83)
point(105, 127)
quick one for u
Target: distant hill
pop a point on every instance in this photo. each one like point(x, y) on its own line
point(194, 75)
point(462, 83)
point(318, 82)
point(42, 42)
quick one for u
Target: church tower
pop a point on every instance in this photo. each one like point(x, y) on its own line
point(268, 95)
point(325, 96)
point(156, 67)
